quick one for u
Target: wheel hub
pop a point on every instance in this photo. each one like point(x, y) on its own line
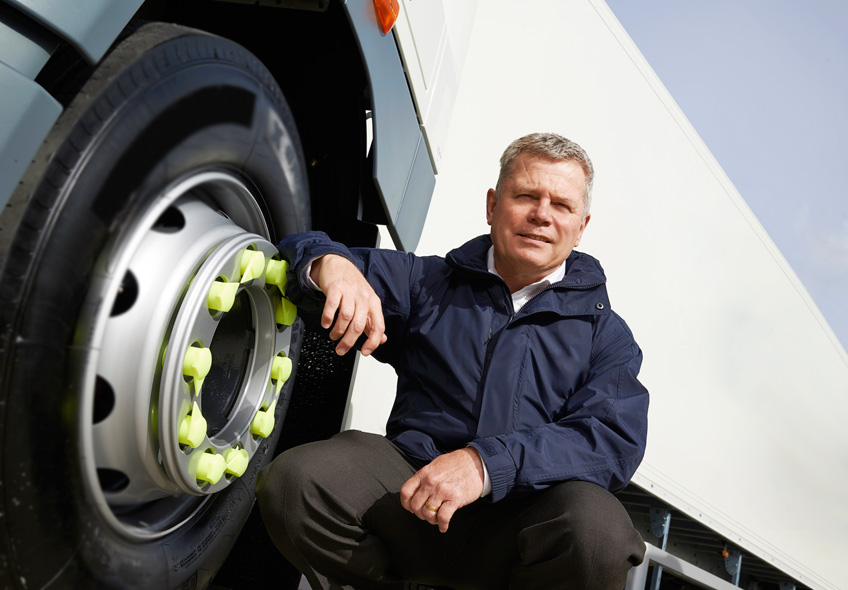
point(241, 379)
point(232, 349)
point(192, 342)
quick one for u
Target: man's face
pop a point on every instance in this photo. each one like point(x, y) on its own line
point(537, 219)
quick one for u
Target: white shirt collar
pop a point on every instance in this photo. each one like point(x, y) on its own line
point(522, 296)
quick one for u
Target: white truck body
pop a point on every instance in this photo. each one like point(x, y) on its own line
point(749, 385)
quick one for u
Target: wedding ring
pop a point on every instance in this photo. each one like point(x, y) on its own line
point(430, 507)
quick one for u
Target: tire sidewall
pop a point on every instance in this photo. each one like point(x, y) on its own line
point(143, 129)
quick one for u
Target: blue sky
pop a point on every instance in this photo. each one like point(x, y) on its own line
point(765, 84)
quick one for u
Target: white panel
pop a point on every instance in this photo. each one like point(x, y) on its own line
point(438, 117)
point(425, 40)
point(421, 35)
point(426, 20)
point(749, 385)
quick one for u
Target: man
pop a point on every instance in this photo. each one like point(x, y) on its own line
point(517, 404)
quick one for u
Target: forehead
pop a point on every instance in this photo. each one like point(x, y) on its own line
point(564, 178)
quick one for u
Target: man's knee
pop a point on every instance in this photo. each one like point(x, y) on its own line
point(583, 529)
point(315, 465)
point(285, 470)
point(313, 498)
point(597, 522)
point(281, 491)
point(339, 478)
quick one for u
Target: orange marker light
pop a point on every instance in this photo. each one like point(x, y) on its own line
point(387, 13)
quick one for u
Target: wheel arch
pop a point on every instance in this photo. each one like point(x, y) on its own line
point(334, 65)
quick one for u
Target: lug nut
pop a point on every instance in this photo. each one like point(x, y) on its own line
point(237, 460)
point(197, 362)
point(275, 274)
point(192, 428)
point(285, 311)
point(222, 296)
point(281, 369)
point(263, 423)
point(210, 468)
point(252, 264)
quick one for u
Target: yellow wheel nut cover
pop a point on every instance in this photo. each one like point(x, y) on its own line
point(281, 369)
point(197, 362)
point(222, 296)
point(211, 468)
point(263, 423)
point(237, 460)
point(275, 274)
point(192, 428)
point(252, 265)
point(286, 311)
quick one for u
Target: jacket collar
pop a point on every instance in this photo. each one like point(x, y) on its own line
point(582, 270)
point(584, 281)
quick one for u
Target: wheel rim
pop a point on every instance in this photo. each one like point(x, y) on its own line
point(186, 329)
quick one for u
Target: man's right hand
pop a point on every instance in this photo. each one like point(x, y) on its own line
point(351, 297)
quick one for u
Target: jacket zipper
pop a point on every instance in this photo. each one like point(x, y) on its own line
point(490, 343)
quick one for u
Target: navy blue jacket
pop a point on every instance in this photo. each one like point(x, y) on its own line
point(545, 395)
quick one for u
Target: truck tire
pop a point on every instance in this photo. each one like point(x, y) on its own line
point(140, 291)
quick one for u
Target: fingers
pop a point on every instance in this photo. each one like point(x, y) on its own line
point(407, 495)
point(349, 322)
point(353, 317)
point(437, 513)
point(439, 489)
point(418, 501)
point(331, 305)
point(352, 308)
point(444, 515)
point(432, 510)
point(375, 327)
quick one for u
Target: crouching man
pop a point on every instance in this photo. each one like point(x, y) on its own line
point(518, 409)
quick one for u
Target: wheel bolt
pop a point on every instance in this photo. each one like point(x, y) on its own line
point(222, 296)
point(237, 460)
point(275, 274)
point(263, 423)
point(211, 468)
point(197, 362)
point(285, 311)
point(252, 265)
point(192, 428)
point(281, 368)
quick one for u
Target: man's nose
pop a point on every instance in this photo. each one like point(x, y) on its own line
point(541, 213)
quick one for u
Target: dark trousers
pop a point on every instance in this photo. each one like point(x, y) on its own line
point(333, 509)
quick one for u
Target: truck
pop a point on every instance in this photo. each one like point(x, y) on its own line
point(152, 153)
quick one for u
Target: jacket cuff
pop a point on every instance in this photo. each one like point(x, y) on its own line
point(300, 250)
point(487, 481)
point(306, 276)
point(499, 464)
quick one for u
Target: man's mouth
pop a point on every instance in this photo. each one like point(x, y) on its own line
point(536, 238)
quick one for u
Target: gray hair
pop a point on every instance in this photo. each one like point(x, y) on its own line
point(551, 147)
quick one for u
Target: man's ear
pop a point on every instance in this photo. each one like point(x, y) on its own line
point(491, 199)
point(582, 229)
